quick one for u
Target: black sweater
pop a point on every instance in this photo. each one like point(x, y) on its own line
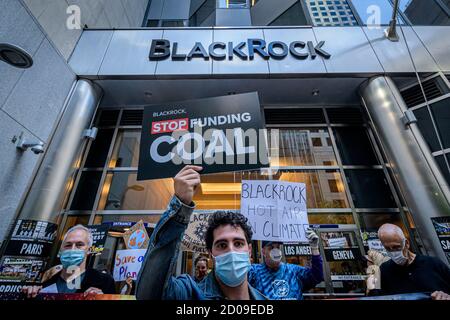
point(424, 274)
point(92, 278)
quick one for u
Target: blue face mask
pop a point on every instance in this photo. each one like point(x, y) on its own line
point(72, 257)
point(231, 268)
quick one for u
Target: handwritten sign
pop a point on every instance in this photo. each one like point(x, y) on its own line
point(128, 263)
point(194, 237)
point(136, 237)
point(276, 210)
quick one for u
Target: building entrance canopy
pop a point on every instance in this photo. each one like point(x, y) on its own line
point(353, 51)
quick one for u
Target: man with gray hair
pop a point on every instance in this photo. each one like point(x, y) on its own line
point(72, 276)
point(407, 272)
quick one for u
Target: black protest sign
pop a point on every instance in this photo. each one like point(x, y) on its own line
point(31, 238)
point(342, 254)
point(23, 269)
point(442, 227)
point(221, 134)
point(194, 236)
point(297, 250)
point(27, 248)
point(32, 230)
point(99, 233)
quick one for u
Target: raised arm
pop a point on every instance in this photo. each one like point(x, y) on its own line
point(155, 275)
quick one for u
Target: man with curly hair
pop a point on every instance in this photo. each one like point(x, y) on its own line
point(228, 240)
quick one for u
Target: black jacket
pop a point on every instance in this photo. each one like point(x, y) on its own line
point(92, 278)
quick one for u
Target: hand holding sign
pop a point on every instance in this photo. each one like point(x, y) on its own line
point(275, 209)
point(313, 239)
point(186, 183)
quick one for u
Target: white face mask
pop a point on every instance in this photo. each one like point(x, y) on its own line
point(397, 256)
point(275, 254)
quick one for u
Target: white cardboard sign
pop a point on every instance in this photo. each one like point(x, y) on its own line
point(276, 209)
point(128, 263)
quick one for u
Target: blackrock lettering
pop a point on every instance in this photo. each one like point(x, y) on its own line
point(161, 49)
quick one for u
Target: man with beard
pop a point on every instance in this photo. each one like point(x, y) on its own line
point(284, 281)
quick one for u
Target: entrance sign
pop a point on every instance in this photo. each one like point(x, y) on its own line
point(221, 134)
point(128, 263)
point(161, 49)
point(276, 210)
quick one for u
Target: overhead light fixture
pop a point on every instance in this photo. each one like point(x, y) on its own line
point(391, 31)
point(15, 56)
point(221, 188)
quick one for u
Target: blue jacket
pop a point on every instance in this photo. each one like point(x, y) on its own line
point(155, 280)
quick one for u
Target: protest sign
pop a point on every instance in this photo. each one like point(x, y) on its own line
point(221, 134)
point(31, 238)
point(297, 250)
point(340, 242)
point(276, 209)
point(332, 254)
point(194, 237)
point(442, 227)
point(99, 234)
point(127, 263)
point(136, 237)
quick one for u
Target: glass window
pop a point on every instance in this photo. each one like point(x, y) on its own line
point(354, 146)
point(86, 190)
point(369, 189)
point(201, 15)
point(329, 9)
point(99, 149)
point(374, 220)
point(73, 221)
point(223, 190)
point(108, 118)
point(426, 128)
point(441, 114)
point(330, 218)
point(233, 4)
point(368, 9)
point(294, 16)
point(443, 166)
point(172, 23)
point(126, 149)
point(122, 191)
point(146, 218)
point(426, 13)
point(218, 191)
point(302, 147)
point(152, 23)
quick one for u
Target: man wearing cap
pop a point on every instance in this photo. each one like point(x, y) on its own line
point(284, 281)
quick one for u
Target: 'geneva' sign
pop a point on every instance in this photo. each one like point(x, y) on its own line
point(162, 49)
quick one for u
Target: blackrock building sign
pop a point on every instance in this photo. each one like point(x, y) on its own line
point(246, 50)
